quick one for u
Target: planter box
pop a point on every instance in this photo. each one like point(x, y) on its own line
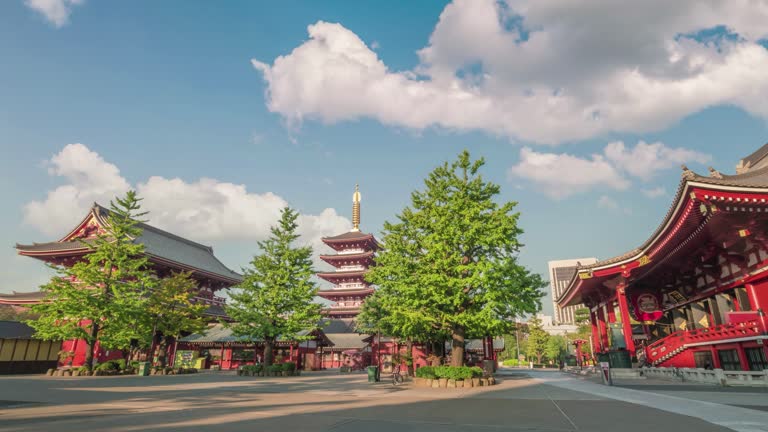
point(418, 382)
point(443, 382)
point(460, 384)
point(451, 383)
point(475, 382)
point(428, 382)
point(435, 383)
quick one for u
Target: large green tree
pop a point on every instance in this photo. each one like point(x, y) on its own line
point(92, 298)
point(555, 347)
point(275, 298)
point(452, 258)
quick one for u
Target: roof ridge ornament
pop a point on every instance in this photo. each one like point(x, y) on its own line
point(715, 173)
point(356, 209)
point(687, 174)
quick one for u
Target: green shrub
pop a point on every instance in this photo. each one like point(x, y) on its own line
point(426, 372)
point(276, 368)
point(477, 371)
point(106, 366)
point(289, 367)
point(511, 362)
point(258, 368)
point(119, 364)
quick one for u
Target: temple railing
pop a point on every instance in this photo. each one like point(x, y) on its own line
point(210, 299)
point(666, 348)
point(715, 376)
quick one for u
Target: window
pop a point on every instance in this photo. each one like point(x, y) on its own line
point(743, 298)
point(756, 359)
point(703, 359)
point(729, 359)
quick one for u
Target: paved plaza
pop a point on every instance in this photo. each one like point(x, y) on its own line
point(540, 401)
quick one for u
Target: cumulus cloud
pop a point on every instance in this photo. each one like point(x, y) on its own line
point(655, 192)
point(55, 12)
point(545, 72)
point(606, 202)
point(645, 160)
point(560, 175)
point(204, 210)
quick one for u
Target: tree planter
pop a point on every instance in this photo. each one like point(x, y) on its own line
point(428, 382)
point(475, 382)
point(443, 382)
point(460, 384)
point(451, 383)
point(435, 383)
point(491, 381)
point(418, 382)
point(484, 382)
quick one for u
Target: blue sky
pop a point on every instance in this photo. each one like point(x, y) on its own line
point(585, 131)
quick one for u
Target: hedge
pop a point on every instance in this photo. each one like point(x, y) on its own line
point(458, 373)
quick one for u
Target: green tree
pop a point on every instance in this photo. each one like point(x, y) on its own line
point(536, 343)
point(275, 297)
point(90, 299)
point(555, 347)
point(451, 260)
point(582, 319)
point(171, 310)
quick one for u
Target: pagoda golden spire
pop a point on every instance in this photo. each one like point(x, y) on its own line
point(356, 209)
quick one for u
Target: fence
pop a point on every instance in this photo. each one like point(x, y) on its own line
point(715, 376)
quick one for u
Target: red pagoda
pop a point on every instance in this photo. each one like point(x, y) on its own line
point(355, 254)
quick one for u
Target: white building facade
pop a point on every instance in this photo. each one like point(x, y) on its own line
point(560, 274)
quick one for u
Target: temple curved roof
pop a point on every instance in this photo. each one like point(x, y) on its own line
point(752, 176)
point(161, 246)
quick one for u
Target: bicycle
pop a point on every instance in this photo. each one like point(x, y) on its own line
point(397, 378)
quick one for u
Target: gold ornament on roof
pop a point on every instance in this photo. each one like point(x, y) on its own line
point(356, 209)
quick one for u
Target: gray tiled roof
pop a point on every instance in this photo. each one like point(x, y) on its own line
point(160, 244)
point(219, 333)
point(347, 340)
point(15, 330)
point(477, 344)
point(339, 326)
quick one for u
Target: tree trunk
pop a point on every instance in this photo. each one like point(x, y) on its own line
point(162, 347)
point(409, 350)
point(457, 346)
point(90, 344)
point(268, 344)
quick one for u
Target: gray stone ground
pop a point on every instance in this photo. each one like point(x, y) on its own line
point(328, 402)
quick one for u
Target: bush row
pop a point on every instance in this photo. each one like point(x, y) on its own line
point(458, 373)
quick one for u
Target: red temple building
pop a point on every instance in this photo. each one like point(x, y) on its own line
point(695, 294)
point(166, 252)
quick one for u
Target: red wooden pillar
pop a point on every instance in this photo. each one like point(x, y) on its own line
point(758, 297)
point(626, 325)
point(595, 331)
point(611, 311)
point(742, 357)
point(602, 328)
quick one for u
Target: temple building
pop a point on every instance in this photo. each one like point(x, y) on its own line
point(695, 294)
point(165, 251)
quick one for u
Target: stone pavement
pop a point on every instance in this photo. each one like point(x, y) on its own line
point(323, 402)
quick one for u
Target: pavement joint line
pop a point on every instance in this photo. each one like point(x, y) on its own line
point(446, 423)
point(734, 417)
point(560, 409)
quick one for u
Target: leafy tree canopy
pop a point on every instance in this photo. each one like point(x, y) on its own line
point(451, 261)
point(275, 298)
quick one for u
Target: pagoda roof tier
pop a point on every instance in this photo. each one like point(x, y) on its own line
point(708, 218)
point(329, 294)
point(347, 259)
point(352, 239)
point(342, 310)
point(162, 248)
point(345, 276)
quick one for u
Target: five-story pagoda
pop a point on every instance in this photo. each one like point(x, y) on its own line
point(354, 254)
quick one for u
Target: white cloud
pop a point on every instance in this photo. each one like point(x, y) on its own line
point(543, 71)
point(645, 160)
point(204, 210)
point(655, 192)
point(561, 175)
point(606, 202)
point(55, 11)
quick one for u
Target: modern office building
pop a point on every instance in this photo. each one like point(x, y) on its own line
point(560, 274)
